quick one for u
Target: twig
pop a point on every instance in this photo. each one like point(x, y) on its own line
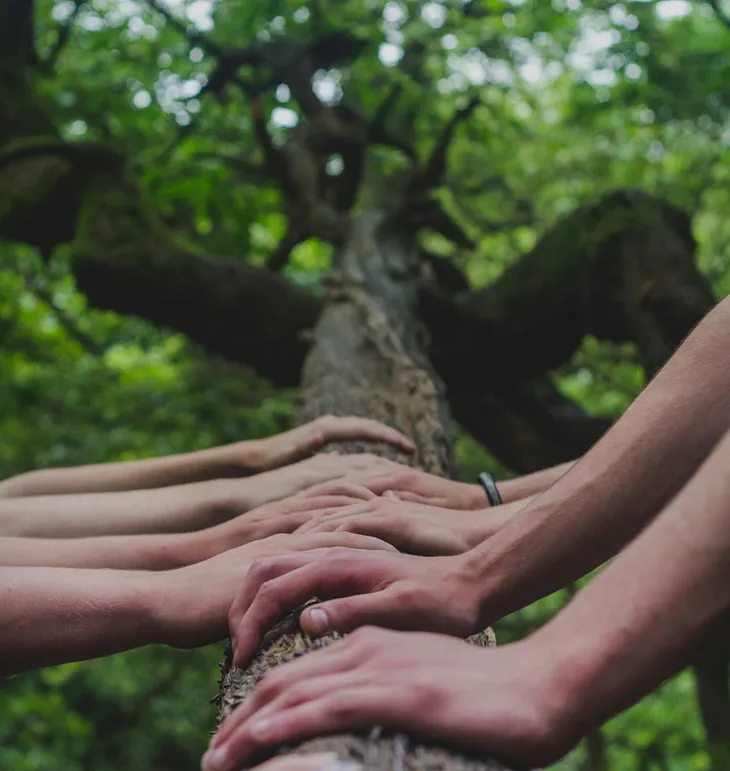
point(280, 256)
point(433, 173)
point(64, 34)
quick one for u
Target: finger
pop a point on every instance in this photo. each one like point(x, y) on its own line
point(325, 501)
point(330, 661)
point(345, 709)
point(409, 497)
point(350, 540)
point(341, 488)
point(266, 600)
point(316, 761)
point(381, 529)
point(327, 521)
point(379, 608)
point(306, 690)
point(261, 571)
point(365, 428)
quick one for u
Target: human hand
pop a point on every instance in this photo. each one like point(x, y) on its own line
point(400, 591)
point(303, 441)
point(314, 761)
point(410, 484)
point(508, 701)
point(290, 480)
point(191, 604)
point(282, 516)
point(411, 527)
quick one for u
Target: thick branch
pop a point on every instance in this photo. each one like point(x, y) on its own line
point(622, 269)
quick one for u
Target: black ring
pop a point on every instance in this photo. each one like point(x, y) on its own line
point(486, 480)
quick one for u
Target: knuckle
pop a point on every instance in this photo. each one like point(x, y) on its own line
point(425, 690)
point(259, 570)
point(408, 594)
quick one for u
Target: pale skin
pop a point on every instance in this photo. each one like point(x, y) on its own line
point(586, 517)
point(165, 551)
point(55, 615)
point(233, 460)
point(174, 509)
point(639, 622)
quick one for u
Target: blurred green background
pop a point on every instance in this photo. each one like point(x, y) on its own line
point(581, 98)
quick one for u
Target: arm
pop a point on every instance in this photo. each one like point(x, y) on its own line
point(415, 486)
point(641, 621)
point(50, 616)
point(415, 528)
point(164, 551)
point(55, 615)
point(170, 509)
point(585, 518)
point(231, 460)
point(621, 484)
point(532, 484)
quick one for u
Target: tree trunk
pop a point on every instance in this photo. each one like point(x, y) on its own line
point(368, 360)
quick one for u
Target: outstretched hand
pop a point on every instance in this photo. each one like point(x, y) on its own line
point(399, 591)
point(196, 600)
point(409, 484)
point(507, 702)
point(303, 441)
point(411, 527)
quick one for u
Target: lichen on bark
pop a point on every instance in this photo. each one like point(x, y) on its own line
point(368, 359)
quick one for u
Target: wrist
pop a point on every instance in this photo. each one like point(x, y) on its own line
point(155, 600)
point(474, 497)
point(480, 570)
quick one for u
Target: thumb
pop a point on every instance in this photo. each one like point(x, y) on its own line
point(348, 613)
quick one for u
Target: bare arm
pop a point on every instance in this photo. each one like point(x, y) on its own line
point(227, 461)
point(49, 615)
point(178, 508)
point(55, 615)
point(164, 551)
point(232, 460)
point(644, 618)
point(170, 509)
point(650, 612)
point(615, 490)
point(532, 484)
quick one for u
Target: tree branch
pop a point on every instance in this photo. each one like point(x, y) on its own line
point(433, 173)
point(64, 34)
point(280, 256)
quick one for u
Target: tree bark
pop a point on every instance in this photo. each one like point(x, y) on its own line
point(368, 359)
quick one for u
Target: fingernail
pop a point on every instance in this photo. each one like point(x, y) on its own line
point(318, 621)
point(325, 759)
point(259, 729)
point(215, 760)
point(343, 765)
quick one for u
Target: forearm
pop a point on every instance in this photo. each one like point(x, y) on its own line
point(648, 614)
point(532, 484)
point(123, 552)
point(172, 509)
point(621, 484)
point(216, 462)
point(54, 615)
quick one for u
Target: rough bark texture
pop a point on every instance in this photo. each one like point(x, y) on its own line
point(368, 360)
